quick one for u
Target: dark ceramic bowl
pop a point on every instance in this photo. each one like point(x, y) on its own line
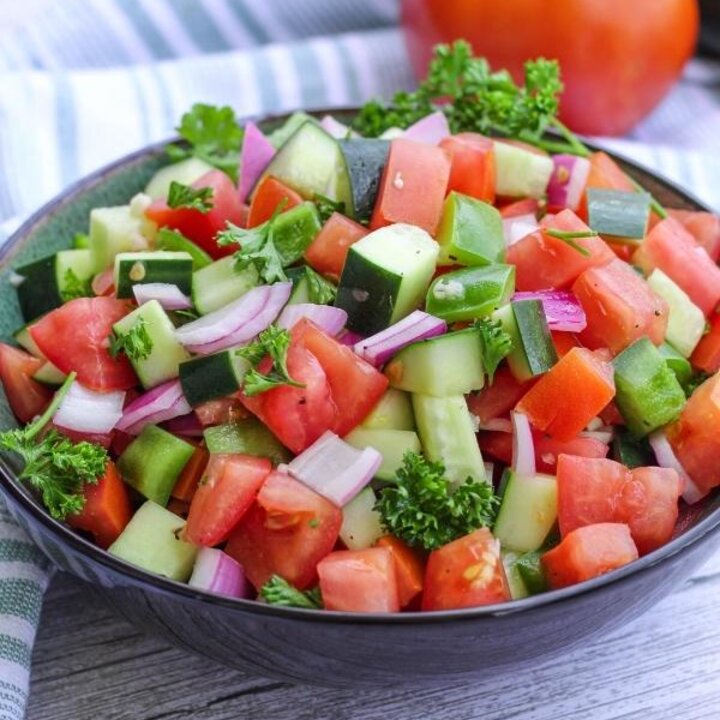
point(331, 648)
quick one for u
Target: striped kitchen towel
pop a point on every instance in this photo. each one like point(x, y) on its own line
point(84, 81)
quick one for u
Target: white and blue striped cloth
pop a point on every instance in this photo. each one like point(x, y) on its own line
point(83, 82)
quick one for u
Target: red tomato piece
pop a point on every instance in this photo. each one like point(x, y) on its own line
point(266, 199)
point(26, 397)
point(594, 491)
point(498, 399)
point(413, 186)
point(356, 385)
point(220, 411)
point(472, 165)
point(201, 227)
point(706, 355)
point(103, 283)
point(467, 572)
point(518, 208)
point(605, 174)
point(543, 261)
point(620, 308)
point(564, 342)
point(103, 439)
point(189, 479)
point(704, 227)
point(587, 552)
point(694, 436)
point(359, 581)
point(409, 566)
point(570, 395)
point(75, 337)
point(107, 508)
point(286, 532)
point(670, 247)
point(328, 250)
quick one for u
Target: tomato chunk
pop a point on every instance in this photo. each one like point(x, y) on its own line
point(26, 397)
point(267, 198)
point(620, 307)
point(571, 394)
point(518, 208)
point(587, 552)
point(670, 247)
point(467, 572)
point(594, 491)
point(225, 493)
point(75, 337)
point(413, 186)
point(706, 355)
point(704, 227)
point(498, 399)
point(359, 581)
point(201, 227)
point(286, 532)
point(605, 174)
point(328, 251)
point(543, 261)
point(409, 566)
point(189, 479)
point(472, 165)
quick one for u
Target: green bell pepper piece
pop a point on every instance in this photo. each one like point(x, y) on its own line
point(676, 362)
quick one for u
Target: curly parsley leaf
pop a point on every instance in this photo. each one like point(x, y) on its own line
point(319, 290)
point(74, 287)
point(136, 343)
point(274, 343)
point(55, 466)
point(278, 591)
point(495, 344)
point(425, 511)
point(185, 196)
point(214, 136)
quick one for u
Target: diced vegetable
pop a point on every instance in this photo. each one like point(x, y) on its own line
point(159, 266)
point(567, 182)
point(114, 230)
point(246, 437)
point(409, 568)
point(168, 295)
point(329, 319)
point(707, 353)
point(431, 129)
point(218, 573)
point(329, 249)
point(220, 283)
point(86, 411)
point(212, 376)
point(472, 165)
point(392, 412)
point(520, 172)
point(26, 397)
point(269, 195)
point(361, 526)
point(523, 447)
point(256, 154)
point(163, 402)
point(562, 309)
point(365, 160)
point(184, 172)
point(622, 215)
point(391, 444)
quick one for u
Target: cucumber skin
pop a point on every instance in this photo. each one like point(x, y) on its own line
point(365, 159)
point(175, 271)
point(248, 437)
point(211, 376)
point(619, 214)
point(535, 335)
point(391, 444)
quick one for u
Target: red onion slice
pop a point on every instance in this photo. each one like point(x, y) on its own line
point(334, 469)
point(257, 152)
point(330, 319)
point(568, 181)
point(523, 455)
point(518, 227)
point(168, 295)
point(217, 572)
point(431, 129)
point(349, 338)
point(87, 411)
point(562, 309)
point(163, 402)
point(379, 348)
point(185, 425)
point(665, 457)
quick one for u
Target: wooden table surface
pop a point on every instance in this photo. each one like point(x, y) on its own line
point(91, 665)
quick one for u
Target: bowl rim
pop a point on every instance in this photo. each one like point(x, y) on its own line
point(20, 495)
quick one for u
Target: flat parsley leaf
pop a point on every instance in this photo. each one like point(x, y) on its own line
point(74, 287)
point(278, 591)
point(495, 344)
point(274, 343)
point(184, 196)
point(136, 343)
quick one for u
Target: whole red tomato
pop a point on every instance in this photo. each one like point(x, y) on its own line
point(618, 57)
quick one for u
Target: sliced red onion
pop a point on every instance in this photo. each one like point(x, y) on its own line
point(562, 309)
point(236, 323)
point(334, 469)
point(330, 319)
point(335, 128)
point(430, 129)
point(163, 402)
point(418, 325)
point(665, 457)
point(87, 411)
point(216, 572)
point(502, 425)
point(349, 338)
point(185, 425)
point(257, 152)
point(168, 295)
point(523, 455)
point(568, 181)
point(518, 227)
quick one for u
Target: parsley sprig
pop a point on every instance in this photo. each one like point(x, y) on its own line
point(136, 343)
point(74, 287)
point(570, 238)
point(326, 207)
point(278, 591)
point(495, 344)
point(425, 511)
point(274, 343)
point(55, 466)
point(185, 196)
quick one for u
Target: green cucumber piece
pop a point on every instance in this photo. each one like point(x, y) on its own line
point(365, 159)
point(686, 321)
point(49, 374)
point(393, 412)
point(518, 591)
point(361, 525)
point(176, 242)
point(52, 280)
point(167, 353)
point(527, 512)
point(449, 364)
point(677, 363)
point(282, 134)
point(153, 461)
point(631, 452)
point(391, 444)
point(470, 232)
point(471, 292)
point(185, 172)
point(386, 276)
point(294, 230)
point(152, 541)
point(530, 568)
point(25, 340)
point(648, 394)
point(619, 214)
point(160, 266)
point(447, 434)
point(311, 162)
point(212, 376)
point(310, 287)
point(248, 437)
point(220, 283)
point(520, 172)
point(114, 230)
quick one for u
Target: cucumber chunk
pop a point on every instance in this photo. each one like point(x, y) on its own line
point(167, 353)
point(365, 159)
point(161, 266)
point(220, 283)
point(185, 172)
point(114, 230)
point(386, 276)
point(620, 214)
point(361, 527)
point(282, 134)
point(294, 230)
point(212, 376)
point(520, 172)
point(449, 364)
point(447, 434)
point(248, 437)
point(25, 340)
point(391, 444)
point(393, 412)
point(152, 541)
point(310, 287)
point(49, 374)
point(518, 591)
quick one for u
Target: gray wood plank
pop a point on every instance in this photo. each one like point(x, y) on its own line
point(90, 664)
